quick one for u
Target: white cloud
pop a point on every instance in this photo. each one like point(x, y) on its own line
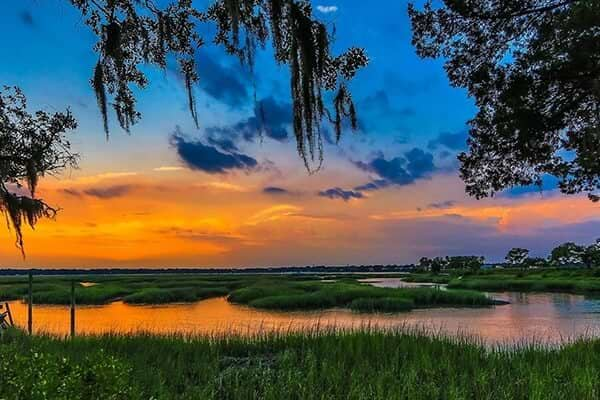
point(221, 186)
point(327, 9)
point(167, 169)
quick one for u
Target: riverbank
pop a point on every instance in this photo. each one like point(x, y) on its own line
point(275, 292)
point(329, 365)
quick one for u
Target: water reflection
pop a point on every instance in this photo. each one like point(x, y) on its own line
point(547, 317)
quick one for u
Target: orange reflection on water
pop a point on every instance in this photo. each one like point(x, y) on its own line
point(213, 316)
point(544, 317)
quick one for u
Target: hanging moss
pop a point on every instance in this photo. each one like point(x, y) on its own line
point(133, 32)
point(32, 145)
point(100, 91)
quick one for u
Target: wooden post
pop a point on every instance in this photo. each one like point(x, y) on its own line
point(72, 308)
point(10, 318)
point(30, 306)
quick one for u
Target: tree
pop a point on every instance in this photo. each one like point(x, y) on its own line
point(517, 256)
point(591, 255)
point(30, 146)
point(135, 32)
point(438, 264)
point(567, 254)
point(425, 264)
point(535, 262)
point(472, 263)
point(533, 69)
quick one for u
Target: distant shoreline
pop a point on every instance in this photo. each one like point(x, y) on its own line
point(370, 269)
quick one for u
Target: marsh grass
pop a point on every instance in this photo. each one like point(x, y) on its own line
point(335, 364)
point(317, 295)
point(578, 281)
point(272, 292)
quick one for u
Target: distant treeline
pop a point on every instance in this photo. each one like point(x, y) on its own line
point(259, 270)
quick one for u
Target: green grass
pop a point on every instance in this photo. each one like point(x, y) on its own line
point(273, 292)
point(186, 294)
point(304, 366)
point(581, 281)
point(350, 294)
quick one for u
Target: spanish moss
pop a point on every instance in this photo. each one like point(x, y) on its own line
point(100, 91)
point(132, 33)
point(30, 147)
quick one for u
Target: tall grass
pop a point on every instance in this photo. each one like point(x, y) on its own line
point(582, 281)
point(351, 294)
point(276, 292)
point(329, 365)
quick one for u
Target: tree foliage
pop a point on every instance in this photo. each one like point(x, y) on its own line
point(132, 33)
point(591, 255)
point(438, 264)
point(30, 146)
point(517, 256)
point(533, 69)
point(567, 254)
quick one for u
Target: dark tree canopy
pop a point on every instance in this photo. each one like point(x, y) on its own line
point(136, 32)
point(30, 146)
point(533, 69)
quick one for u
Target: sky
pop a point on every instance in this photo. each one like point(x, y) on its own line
point(221, 195)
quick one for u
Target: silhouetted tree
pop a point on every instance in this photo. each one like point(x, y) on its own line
point(533, 69)
point(132, 33)
point(425, 264)
point(438, 264)
point(517, 256)
point(30, 146)
point(472, 263)
point(535, 262)
point(567, 254)
point(591, 255)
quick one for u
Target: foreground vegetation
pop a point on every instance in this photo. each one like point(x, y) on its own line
point(275, 292)
point(578, 281)
point(326, 365)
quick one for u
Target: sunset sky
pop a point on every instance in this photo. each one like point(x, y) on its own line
point(170, 194)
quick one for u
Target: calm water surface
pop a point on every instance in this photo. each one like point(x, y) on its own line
point(543, 317)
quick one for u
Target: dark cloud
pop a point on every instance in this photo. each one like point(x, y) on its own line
point(339, 193)
point(420, 164)
point(27, 18)
point(374, 185)
point(441, 205)
point(72, 192)
point(274, 190)
point(270, 118)
point(220, 138)
point(201, 157)
point(222, 82)
point(102, 193)
point(109, 192)
point(450, 140)
point(403, 170)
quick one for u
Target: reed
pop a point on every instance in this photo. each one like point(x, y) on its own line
point(333, 364)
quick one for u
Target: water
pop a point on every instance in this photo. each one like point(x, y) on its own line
point(541, 317)
point(398, 283)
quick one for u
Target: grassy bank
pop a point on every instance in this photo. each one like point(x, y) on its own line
point(360, 365)
point(350, 294)
point(259, 291)
point(578, 281)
